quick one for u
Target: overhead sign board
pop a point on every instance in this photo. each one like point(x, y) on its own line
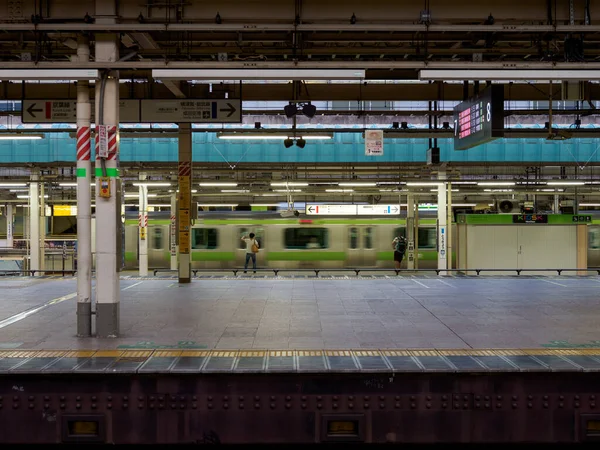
point(378, 210)
point(65, 111)
point(191, 111)
point(352, 210)
point(479, 119)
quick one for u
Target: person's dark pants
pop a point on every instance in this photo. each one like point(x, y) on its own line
point(248, 256)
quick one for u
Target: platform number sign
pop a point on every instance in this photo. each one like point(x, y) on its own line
point(479, 119)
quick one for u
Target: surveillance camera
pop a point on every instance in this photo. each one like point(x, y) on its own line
point(289, 213)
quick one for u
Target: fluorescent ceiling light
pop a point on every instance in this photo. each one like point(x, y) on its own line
point(391, 182)
point(27, 196)
point(533, 183)
point(19, 137)
point(137, 195)
point(463, 205)
point(48, 74)
point(391, 190)
point(497, 190)
point(463, 182)
point(271, 195)
point(549, 190)
point(589, 204)
point(73, 184)
point(358, 184)
point(160, 205)
point(13, 184)
point(508, 74)
point(256, 74)
point(19, 190)
point(339, 190)
point(419, 183)
point(273, 136)
point(435, 190)
point(496, 183)
point(221, 205)
point(565, 183)
point(218, 184)
point(151, 184)
point(242, 191)
point(264, 204)
point(289, 183)
point(287, 190)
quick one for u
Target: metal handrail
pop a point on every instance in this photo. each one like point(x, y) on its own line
point(397, 271)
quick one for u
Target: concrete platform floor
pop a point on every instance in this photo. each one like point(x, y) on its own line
point(309, 313)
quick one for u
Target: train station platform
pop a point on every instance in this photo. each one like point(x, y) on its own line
point(297, 313)
point(411, 359)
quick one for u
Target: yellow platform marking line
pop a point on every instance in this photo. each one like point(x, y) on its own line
point(281, 353)
point(252, 354)
point(339, 353)
point(25, 353)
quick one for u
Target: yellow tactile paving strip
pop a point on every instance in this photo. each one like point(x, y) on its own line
point(144, 355)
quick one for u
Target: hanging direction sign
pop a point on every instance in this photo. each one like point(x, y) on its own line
point(192, 111)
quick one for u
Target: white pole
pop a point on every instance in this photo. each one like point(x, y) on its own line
point(108, 297)
point(9, 226)
point(442, 229)
point(34, 224)
point(84, 199)
point(143, 227)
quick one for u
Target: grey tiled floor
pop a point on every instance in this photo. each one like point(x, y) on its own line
point(394, 312)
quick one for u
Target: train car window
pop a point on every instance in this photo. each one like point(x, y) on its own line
point(594, 237)
point(243, 232)
point(306, 238)
point(368, 238)
point(204, 238)
point(353, 237)
point(426, 236)
point(157, 238)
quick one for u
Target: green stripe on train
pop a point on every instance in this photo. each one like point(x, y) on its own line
point(305, 256)
point(212, 256)
point(130, 256)
point(425, 255)
point(399, 222)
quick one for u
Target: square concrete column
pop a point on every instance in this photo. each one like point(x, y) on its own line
point(34, 224)
point(107, 188)
point(442, 225)
point(185, 201)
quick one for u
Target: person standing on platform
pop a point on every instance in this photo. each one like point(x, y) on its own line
point(251, 250)
point(399, 246)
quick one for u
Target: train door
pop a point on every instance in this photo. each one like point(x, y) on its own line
point(361, 246)
point(240, 246)
point(157, 246)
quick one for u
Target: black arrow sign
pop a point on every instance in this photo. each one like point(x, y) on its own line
point(31, 111)
point(231, 109)
point(310, 209)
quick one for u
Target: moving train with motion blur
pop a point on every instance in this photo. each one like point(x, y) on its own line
point(289, 243)
point(297, 243)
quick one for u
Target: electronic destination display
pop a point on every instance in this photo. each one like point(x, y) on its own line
point(479, 119)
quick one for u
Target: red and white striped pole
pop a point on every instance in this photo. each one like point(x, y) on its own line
point(84, 201)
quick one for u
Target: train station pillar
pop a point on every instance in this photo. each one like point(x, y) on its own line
point(34, 224)
point(10, 220)
point(84, 200)
point(185, 200)
point(42, 210)
point(442, 222)
point(143, 226)
point(107, 182)
point(410, 232)
point(173, 231)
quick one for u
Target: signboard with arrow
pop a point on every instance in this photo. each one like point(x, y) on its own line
point(352, 210)
point(65, 111)
point(192, 111)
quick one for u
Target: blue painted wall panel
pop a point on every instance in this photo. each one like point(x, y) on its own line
point(344, 148)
